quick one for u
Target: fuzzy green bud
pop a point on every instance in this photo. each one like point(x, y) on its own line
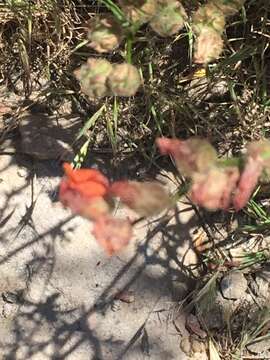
point(104, 33)
point(124, 80)
point(208, 46)
point(228, 7)
point(93, 77)
point(169, 18)
point(139, 11)
point(208, 16)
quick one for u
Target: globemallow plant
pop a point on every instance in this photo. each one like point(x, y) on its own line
point(213, 184)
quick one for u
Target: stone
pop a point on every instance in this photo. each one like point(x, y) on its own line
point(212, 312)
point(234, 285)
point(185, 345)
point(197, 346)
point(259, 347)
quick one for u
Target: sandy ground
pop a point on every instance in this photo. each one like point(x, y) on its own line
point(58, 287)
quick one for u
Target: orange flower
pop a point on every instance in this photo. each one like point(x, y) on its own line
point(112, 234)
point(84, 191)
point(88, 182)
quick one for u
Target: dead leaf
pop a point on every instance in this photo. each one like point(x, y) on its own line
point(5, 109)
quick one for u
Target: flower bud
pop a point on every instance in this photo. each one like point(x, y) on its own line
point(145, 198)
point(213, 190)
point(208, 46)
point(260, 151)
point(169, 18)
point(208, 16)
point(139, 11)
point(105, 33)
point(191, 156)
point(257, 159)
point(124, 80)
point(228, 7)
point(93, 77)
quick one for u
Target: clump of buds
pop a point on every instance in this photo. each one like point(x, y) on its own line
point(191, 156)
point(99, 78)
point(93, 77)
point(215, 185)
point(208, 25)
point(105, 33)
point(139, 11)
point(169, 18)
point(208, 16)
point(124, 80)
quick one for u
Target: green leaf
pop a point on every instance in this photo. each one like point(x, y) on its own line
point(90, 122)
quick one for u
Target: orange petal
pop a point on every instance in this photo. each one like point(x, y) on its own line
point(84, 175)
point(89, 189)
point(90, 208)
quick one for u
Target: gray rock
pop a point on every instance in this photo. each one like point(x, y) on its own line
point(233, 285)
point(213, 311)
point(259, 347)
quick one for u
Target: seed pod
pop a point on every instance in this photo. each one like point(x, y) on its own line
point(208, 46)
point(210, 17)
point(228, 7)
point(139, 11)
point(93, 77)
point(146, 198)
point(169, 18)
point(124, 80)
point(104, 33)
